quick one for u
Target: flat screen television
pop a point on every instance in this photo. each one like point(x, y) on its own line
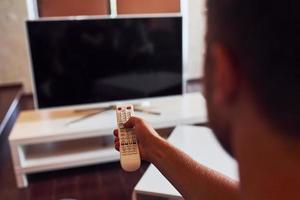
point(98, 60)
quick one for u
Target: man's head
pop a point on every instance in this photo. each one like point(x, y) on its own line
point(253, 46)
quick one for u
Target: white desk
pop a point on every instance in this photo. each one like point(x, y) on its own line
point(41, 140)
point(201, 145)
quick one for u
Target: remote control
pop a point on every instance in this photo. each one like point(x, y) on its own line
point(129, 151)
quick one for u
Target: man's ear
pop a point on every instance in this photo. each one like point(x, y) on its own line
point(225, 77)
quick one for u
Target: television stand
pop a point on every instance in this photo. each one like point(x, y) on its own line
point(40, 140)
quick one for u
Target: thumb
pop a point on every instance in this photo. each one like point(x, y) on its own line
point(131, 122)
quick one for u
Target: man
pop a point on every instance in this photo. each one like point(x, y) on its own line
point(252, 82)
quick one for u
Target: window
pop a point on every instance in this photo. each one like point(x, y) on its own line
point(55, 8)
point(148, 6)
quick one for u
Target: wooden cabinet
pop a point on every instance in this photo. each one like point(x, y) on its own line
point(147, 6)
point(54, 8)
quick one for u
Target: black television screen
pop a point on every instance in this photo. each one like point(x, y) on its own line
point(101, 60)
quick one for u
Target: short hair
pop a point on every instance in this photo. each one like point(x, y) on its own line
point(264, 36)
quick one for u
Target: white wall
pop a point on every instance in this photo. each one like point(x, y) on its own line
point(196, 43)
point(13, 51)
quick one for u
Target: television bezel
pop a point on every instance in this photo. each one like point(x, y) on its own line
point(103, 17)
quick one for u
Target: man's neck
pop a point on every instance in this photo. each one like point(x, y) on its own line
point(269, 161)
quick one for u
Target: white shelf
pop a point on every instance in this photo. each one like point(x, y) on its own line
point(104, 155)
point(51, 125)
point(64, 154)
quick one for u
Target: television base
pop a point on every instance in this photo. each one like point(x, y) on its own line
point(96, 111)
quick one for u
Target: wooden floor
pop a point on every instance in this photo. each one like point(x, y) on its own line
point(103, 181)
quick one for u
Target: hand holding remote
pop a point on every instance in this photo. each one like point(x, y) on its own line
point(129, 151)
point(145, 135)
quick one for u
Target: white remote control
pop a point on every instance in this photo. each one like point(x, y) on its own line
point(129, 151)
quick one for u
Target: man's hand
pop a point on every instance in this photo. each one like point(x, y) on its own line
point(197, 181)
point(145, 134)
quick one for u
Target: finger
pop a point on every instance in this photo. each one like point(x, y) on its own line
point(116, 140)
point(116, 133)
point(131, 122)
